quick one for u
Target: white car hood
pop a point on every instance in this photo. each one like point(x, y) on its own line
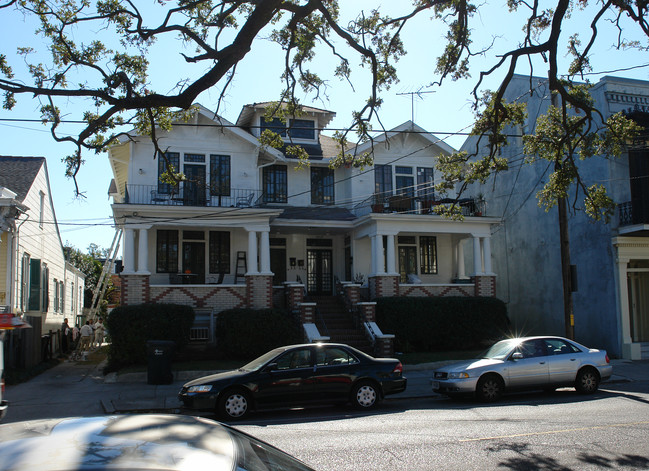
point(471, 365)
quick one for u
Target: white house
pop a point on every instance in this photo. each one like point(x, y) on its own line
point(35, 280)
point(247, 226)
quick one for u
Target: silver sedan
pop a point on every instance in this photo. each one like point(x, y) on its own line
point(525, 363)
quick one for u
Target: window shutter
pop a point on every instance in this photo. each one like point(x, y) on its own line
point(34, 303)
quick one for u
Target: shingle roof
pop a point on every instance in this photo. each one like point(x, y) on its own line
point(18, 173)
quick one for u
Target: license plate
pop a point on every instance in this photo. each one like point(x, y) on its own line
point(435, 384)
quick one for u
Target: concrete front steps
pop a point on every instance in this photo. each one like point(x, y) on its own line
point(334, 321)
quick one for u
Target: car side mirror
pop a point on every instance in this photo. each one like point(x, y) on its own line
point(517, 356)
point(271, 367)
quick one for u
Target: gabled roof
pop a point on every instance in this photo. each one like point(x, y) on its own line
point(406, 127)
point(18, 173)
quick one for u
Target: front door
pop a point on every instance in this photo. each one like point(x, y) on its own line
point(193, 263)
point(194, 193)
point(407, 261)
point(278, 265)
point(319, 271)
point(638, 282)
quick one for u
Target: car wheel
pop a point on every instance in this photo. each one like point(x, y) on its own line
point(489, 388)
point(587, 381)
point(364, 396)
point(234, 404)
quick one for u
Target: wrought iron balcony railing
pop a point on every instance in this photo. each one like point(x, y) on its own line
point(192, 195)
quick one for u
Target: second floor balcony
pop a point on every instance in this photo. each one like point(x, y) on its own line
point(192, 195)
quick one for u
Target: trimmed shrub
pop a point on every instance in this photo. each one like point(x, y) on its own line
point(249, 333)
point(442, 323)
point(130, 327)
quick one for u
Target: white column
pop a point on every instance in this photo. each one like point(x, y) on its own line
point(477, 256)
point(486, 248)
point(460, 259)
point(143, 252)
point(265, 253)
point(252, 253)
point(129, 251)
point(378, 255)
point(391, 268)
point(625, 312)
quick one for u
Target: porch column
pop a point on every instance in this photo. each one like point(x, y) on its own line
point(460, 259)
point(265, 253)
point(253, 267)
point(129, 251)
point(143, 252)
point(378, 265)
point(477, 256)
point(486, 248)
point(391, 268)
point(625, 312)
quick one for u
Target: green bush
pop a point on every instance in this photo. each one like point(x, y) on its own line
point(130, 327)
point(248, 333)
point(442, 323)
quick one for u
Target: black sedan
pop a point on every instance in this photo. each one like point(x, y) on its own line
point(297, 375)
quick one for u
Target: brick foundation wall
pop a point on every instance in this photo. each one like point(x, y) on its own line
point(383, 286)
point(294, 295)
point(485, 286)
point(307, 313)
point(135, 289)
point(432, 291)
point(384, 347)
point(212, 297)
point(259, 291)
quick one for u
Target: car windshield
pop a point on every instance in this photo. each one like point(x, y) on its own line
point(257, 363)
point(500, 350)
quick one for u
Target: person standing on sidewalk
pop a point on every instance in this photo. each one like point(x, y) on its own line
point(99, 332)
point(86, 336)
point(65, 336)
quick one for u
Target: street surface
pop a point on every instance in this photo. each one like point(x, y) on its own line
point(533, 431)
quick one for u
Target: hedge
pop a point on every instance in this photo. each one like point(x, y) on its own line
point(249, 333)
point(130, 327)
point(442, 323)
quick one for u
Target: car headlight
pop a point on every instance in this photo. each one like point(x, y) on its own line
point(202, 388)
point(461, 375)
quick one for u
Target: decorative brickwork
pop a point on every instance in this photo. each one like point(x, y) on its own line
point(383, 286)
point(307, 313)
point(367, 312)
point(352, 293)
point(294, 295)
point(135, 289)
point(259, 291)
point(384, 347)
point(432, 291)
point(213, 297)
point(485, 286)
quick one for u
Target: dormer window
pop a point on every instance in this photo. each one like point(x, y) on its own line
point(276, 125)
point(302, 129)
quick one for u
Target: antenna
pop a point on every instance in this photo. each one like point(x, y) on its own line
point(419, 94)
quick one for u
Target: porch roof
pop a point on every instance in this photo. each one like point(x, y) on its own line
point(318, 213)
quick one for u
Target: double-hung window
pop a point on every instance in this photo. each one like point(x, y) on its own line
point(404, 180)
point(322, 185)
point(275, 184)
point(167, 251)
point(172, 162)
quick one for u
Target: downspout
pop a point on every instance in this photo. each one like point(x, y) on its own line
point(14, 260)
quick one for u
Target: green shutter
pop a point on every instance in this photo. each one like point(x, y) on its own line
point(34, 284)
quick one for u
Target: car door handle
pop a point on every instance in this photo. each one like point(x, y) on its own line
point(541, 363)
point(573, 359)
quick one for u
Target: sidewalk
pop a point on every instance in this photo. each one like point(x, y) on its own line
point(71, 387)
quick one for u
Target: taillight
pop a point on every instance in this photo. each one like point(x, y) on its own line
point(607, 360)
point(398, 369)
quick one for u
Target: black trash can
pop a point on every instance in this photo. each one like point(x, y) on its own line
point(159, 355)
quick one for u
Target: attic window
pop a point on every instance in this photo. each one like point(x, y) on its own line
point(302, 129)
point(276, 125)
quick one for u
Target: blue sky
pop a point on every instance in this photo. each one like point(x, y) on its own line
point(83, 221)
